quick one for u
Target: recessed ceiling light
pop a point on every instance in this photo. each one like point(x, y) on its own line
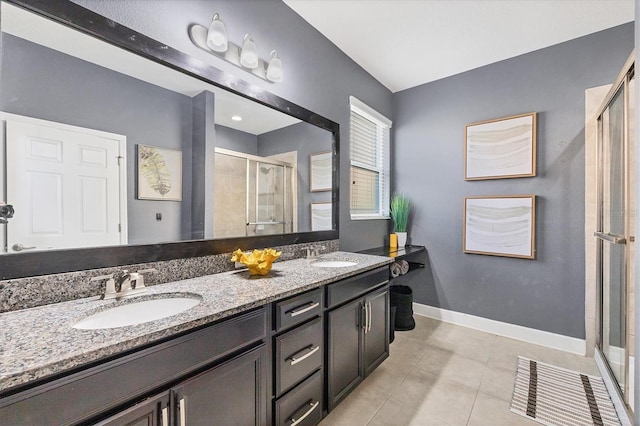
point(236, 118)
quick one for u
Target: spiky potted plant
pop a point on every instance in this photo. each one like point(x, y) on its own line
point(400, 207)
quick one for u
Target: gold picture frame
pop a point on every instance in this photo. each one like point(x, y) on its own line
point(500, 225)
point(502, 148)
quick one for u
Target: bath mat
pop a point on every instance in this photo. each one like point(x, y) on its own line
point(556, 396)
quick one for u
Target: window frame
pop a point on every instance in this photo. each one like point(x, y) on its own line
point(383, 168)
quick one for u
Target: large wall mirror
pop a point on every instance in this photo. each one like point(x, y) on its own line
point(117, 149)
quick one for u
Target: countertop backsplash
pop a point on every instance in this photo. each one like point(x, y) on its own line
point(30, 292)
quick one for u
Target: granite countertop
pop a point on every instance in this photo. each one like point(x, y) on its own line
point(39, 342)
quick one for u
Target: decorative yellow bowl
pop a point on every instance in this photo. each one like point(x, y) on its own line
point(259, 262)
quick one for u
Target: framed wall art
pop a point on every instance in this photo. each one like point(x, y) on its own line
point(501, 148)
point(500, 226)
point(159, 173)
point(321, 216)
point(321, 171)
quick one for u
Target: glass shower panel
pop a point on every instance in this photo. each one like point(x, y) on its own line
point(230, 195)
point(270, 199)
point(613, 249)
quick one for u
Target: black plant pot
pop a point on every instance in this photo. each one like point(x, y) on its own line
point(402, 299)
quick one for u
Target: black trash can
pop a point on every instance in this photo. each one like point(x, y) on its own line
point(402, 299)
point(392, 324)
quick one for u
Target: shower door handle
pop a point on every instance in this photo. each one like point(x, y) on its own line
point(613, 239)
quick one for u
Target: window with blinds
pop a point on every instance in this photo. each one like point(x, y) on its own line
point(370, 140)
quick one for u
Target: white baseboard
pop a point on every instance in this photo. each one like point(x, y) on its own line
point(518, 332)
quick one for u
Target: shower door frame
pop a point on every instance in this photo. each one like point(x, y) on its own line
point(291, 184)
point(621, 83)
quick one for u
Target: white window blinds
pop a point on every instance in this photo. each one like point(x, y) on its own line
point(370, 147)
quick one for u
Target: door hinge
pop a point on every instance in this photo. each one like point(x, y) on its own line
point(120, 228)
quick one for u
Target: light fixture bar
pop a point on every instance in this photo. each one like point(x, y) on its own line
point(233, 54)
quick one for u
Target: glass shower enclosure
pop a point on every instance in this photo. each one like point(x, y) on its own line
point(615, 230)
point(253, 195)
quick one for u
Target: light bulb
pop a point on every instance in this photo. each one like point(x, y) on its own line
point(217, 35)
point(274, 71)
point(249, 56)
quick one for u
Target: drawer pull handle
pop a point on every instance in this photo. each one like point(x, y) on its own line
point(314, 405)
point(311, 350)
point(309, 306)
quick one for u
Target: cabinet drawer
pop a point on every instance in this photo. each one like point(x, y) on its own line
point(303, 405)
point(350, 288)
point(298, 354)
point(298, 309)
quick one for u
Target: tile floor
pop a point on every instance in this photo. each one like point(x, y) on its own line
point(445, 375)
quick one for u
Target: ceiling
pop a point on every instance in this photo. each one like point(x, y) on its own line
point(406, 43)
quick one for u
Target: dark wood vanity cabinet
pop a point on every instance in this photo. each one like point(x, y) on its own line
point(286, 363)
point(205, 371)
point(357, 331)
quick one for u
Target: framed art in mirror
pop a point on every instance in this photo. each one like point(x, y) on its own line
point(159, 173)
point(320, 171)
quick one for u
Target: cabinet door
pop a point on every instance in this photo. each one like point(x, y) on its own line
point(233, 393)
point(376, 335)
point(344, 340)
point(153, 411)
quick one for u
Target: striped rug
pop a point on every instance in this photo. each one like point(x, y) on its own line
point(555, 396)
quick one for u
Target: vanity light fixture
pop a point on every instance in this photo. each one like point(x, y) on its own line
point(274, 70)
point(215, 41)
point(249, 56)
point(217, 35)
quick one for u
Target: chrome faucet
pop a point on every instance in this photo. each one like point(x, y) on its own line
point(313, 251)
point(123, 283)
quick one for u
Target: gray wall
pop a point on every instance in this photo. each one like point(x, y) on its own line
point(318, 76)
point(306, 140)
point(546, 293)
point(43, 83)
point(235, 140)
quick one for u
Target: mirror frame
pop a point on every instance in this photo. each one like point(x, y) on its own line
point(13, 266)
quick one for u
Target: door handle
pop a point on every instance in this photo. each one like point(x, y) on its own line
point(370, 311)
point(610, 238)
point(183, 412)
point(165, 416)
point(20, 247)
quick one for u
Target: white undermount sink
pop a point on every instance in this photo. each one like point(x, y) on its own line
point(333, 264)
point(137, 313)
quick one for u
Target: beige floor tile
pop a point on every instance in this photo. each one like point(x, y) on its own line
point(407, 350)
point(387, 376)
point(506, 351)
point(498, 382)
point(582, 364)
point(425, 396)
point(450, 366)
point(478, 346)
point(491, 411)
point(394, 414)
point(357, 408)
